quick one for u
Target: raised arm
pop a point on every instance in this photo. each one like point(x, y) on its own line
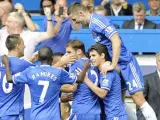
point(82, 74)
point(5, 61)
point(116, 46)
point(29, 23)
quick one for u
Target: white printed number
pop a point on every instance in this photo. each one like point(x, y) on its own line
point(44, 91)
point(132, 85)
point(4, 83)
point(95, 74)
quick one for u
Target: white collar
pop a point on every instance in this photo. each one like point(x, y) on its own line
point(116, 11)
point(138, 24)
point(158, 73)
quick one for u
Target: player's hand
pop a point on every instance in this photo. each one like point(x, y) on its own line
point(48, 13)
point(87, 65)
point(67, 59)
point(19, 7)
point(61, 17)
point(86, 77)
point(107, 66)
point(5, 60)
point(34, 57)
point(67, 97)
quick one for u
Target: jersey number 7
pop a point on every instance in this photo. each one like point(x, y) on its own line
point(44, 91)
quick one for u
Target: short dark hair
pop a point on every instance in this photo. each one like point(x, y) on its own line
point(45, 54)
point(75, 7)
point(41, 5)
point(100, 48)
point(76, 44)
point(12, 41)
point(57, 54)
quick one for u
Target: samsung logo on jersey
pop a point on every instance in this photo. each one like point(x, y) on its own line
point(44, 74)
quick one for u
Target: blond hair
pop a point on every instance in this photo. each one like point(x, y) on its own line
point(139, 6)
point(157, 56)
point(17, 17)
point(75, 7)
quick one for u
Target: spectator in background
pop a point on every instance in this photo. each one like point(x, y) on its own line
point(65, 110)
point(63, 28)
point(101, 10)
point(152, 90)
point(28, 21)
point(115, 8)
point(104, 2)
point(11, 1)
point(139, 22)
point(5, 9)
point(15, 25)
point(89, 4)
point(154, 8)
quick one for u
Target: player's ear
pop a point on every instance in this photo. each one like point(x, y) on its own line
point(17, 46)
point(81, 13)
point(79, 51)
point(103, 55)
point(66, 109)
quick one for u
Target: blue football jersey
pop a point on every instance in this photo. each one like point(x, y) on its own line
point(102, 30)
point(11, 95)
point(85, 101)
point(114, 106)
point(44, 82)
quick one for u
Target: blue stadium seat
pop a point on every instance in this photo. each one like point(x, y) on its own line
point(134, 40)
point(117, 20)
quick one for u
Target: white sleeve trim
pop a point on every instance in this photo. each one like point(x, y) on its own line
point(13, 80)
point(105, 88)
point(112, 34)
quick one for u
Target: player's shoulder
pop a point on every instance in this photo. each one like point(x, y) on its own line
point(97, 18)
point(81, 61)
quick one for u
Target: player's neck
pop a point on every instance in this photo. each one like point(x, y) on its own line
point(116, 6)
point(14, 53)
point(46, 63)
point(100, 66)
point(65, 117)
point(89, 17)
point(81, 56)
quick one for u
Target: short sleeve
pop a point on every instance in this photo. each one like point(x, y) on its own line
point(103, 25)
point(106, 81)
point(26, 63)
point(20, 77)
point(67, 78)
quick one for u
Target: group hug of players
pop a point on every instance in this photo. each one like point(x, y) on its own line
point(98, 80)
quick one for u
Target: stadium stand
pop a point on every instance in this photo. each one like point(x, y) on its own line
point(34, 5)
point(116, 20)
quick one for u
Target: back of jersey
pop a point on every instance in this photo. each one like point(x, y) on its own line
point(44, 82)
point(84, 97)
point(11, 95)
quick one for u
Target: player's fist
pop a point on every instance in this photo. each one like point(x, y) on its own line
point(87, 65)
point(18, 6)
point(47, 11)
point(5, 60)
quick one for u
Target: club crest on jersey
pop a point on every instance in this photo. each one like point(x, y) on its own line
point(105, 82)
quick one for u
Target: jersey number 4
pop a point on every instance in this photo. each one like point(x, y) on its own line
point(7, 87)
point(44, 91)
